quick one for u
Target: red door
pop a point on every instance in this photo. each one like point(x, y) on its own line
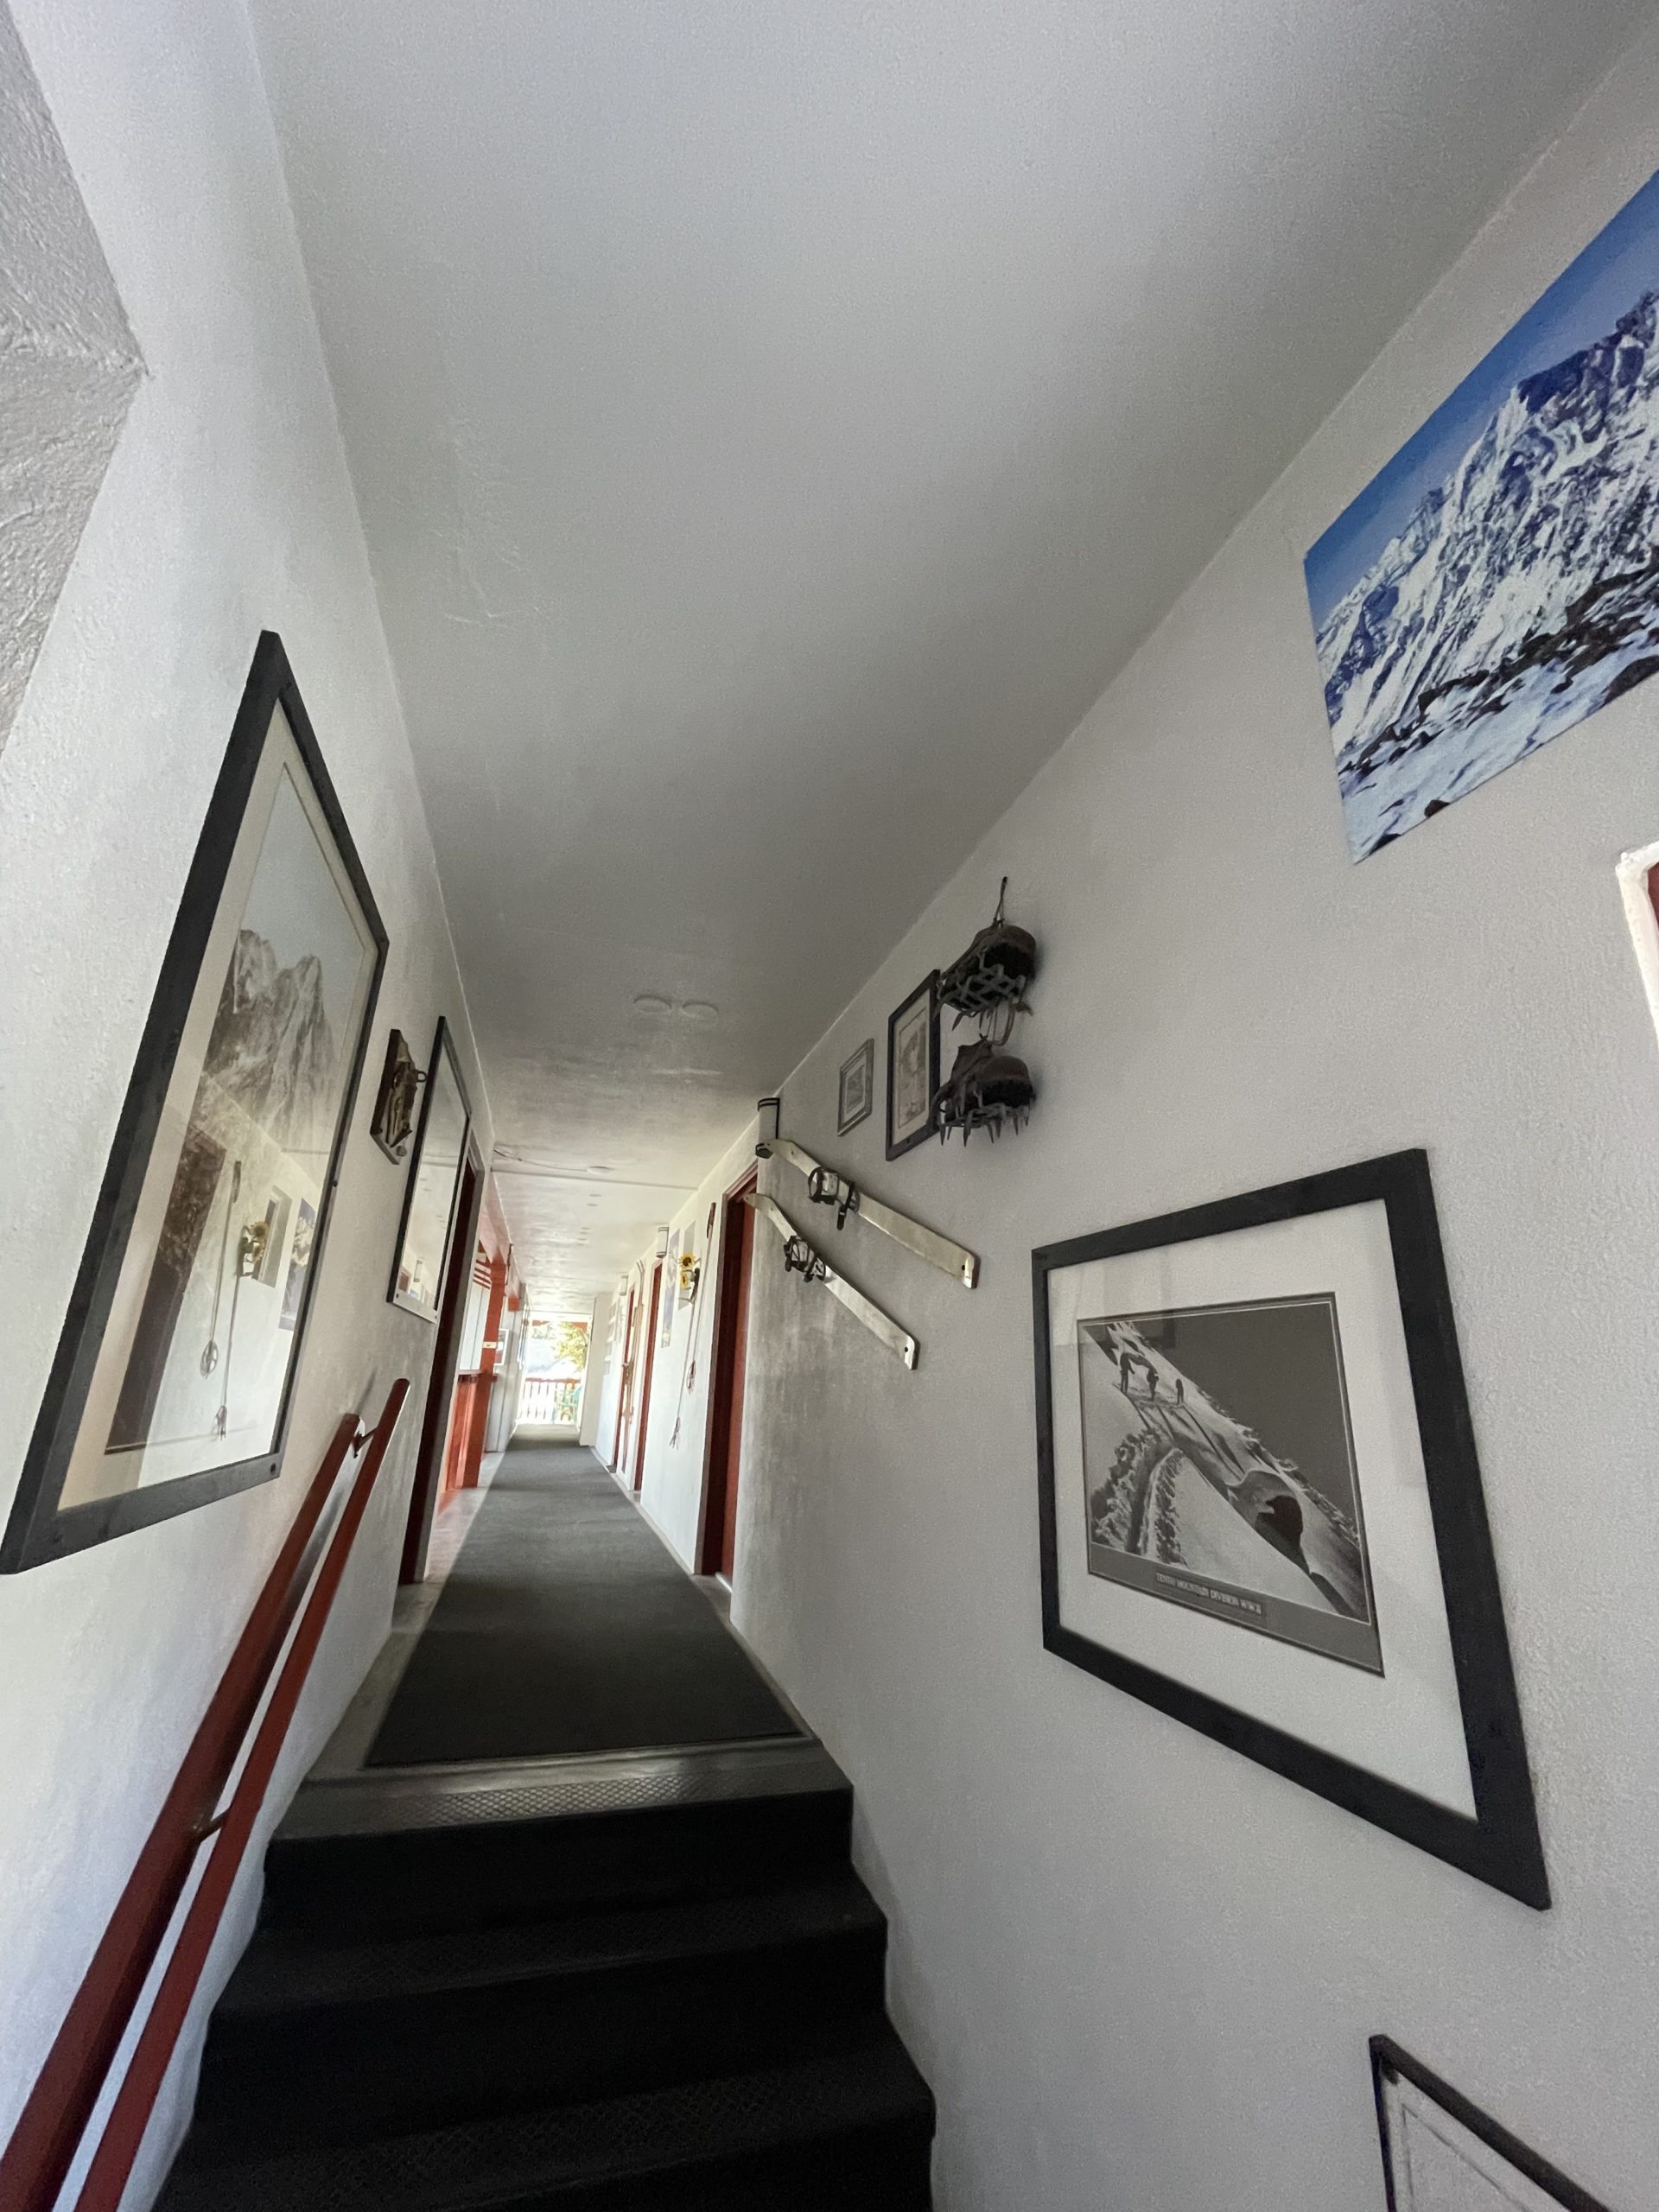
point(731, 1361)
point(649, 1357)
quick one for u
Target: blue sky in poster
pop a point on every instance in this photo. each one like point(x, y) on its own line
point(1585, 302)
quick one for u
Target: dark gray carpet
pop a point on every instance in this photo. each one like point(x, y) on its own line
point(566, 1625)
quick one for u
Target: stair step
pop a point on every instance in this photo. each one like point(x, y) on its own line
point(846, 2132)
point(314, 2043)
point(473, 1848)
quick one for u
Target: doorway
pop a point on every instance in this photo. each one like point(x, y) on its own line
point(717, 1550)
point(429, 1460)
point(652, 1311)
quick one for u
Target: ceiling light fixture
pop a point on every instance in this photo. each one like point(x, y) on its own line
point(653, 1002)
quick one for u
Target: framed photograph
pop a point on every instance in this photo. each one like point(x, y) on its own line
point(1492, 586)
point(392, 1123)
point(428, 1217)
point(1260, 1508)
point(173, 1375)
point(1442, 2154)
point(855, 1091)
point(912, 1067)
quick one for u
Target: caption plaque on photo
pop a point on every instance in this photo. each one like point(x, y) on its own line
point(1259, 1508)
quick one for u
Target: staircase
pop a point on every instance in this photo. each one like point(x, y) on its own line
point(641, 1982)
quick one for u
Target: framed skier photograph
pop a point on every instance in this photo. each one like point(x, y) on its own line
point(175, 1370)
point(1259, 1508)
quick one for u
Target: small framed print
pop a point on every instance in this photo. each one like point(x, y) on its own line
point(393, 1121)
point(912, 1067)
point(173, 1381)
point(1442, 2154)
point(428, 1217)
point(1260, 1508)
point(855, 1092)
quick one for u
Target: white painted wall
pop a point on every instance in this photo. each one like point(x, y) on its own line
point(228, 508)
point(1140, 1971)
point(671, 1493)
point(593, 1386)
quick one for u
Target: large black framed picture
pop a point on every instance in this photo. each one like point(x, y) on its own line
point(173, 1380)
point(913, 1067)
point(428, 1222)
point(1440, 2151)
point(1259, 1508)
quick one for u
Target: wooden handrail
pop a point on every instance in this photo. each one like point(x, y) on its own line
point(36, 2160)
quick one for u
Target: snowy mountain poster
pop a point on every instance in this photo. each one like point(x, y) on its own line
point(1498, 581)
point(1218, 1468)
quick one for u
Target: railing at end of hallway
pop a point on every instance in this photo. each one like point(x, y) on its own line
point(550, 1400)
point(36, 2160)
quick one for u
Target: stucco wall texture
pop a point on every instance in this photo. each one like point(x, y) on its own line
point(71, 367)
point(1139, 1970)
point(226, 509)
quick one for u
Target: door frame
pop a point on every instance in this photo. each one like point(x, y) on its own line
point(441, 1385)
point(717, 1440)
point(655, 1312)
point(622, 1380)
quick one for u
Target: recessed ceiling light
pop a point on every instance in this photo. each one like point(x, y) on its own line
point(653, 1002)
point(700, 1010)
point(598, 1168)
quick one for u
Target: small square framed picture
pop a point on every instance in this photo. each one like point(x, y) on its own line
point(1442, 2154)
point(912, 1067)
point(855, 1094)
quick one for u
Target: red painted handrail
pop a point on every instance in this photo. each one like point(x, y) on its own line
point(37, 2159)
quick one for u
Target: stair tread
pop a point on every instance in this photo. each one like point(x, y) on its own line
point(283, 1969)
point(393, 1800)
point(500, 2161)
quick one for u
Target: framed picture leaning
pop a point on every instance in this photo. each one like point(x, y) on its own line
point(855, 1087)
point(173, 1380)
point(1260, 1508)
point(428, 1222)
point(913, 1067)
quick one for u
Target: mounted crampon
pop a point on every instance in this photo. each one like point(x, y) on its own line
point(989, 1087)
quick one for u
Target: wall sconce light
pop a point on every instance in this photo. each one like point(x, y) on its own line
point(768, 1109)
point(661, 1242)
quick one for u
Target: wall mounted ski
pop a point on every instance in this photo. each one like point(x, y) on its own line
point(805, 1259)
point(829, 1189)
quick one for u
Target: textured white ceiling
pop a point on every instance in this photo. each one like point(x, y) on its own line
point(775, 421)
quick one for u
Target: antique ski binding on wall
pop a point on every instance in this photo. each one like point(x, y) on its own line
point(801, 1258)
point(829, 1189)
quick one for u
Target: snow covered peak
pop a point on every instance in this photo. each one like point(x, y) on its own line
point(1522, 594)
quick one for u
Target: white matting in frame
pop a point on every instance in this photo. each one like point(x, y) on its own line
point(1404, 1721)
point(1260, 1506)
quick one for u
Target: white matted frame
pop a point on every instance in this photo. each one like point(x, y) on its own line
point(1428, 1743)
point(1440, 2153)
point(174, 1378)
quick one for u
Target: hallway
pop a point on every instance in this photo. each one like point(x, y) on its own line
point(566, 1626)
point(829, 891)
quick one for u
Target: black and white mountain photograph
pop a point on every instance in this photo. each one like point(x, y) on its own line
point(213, 1337)
point(1498, 581)
point(1219, 1469)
